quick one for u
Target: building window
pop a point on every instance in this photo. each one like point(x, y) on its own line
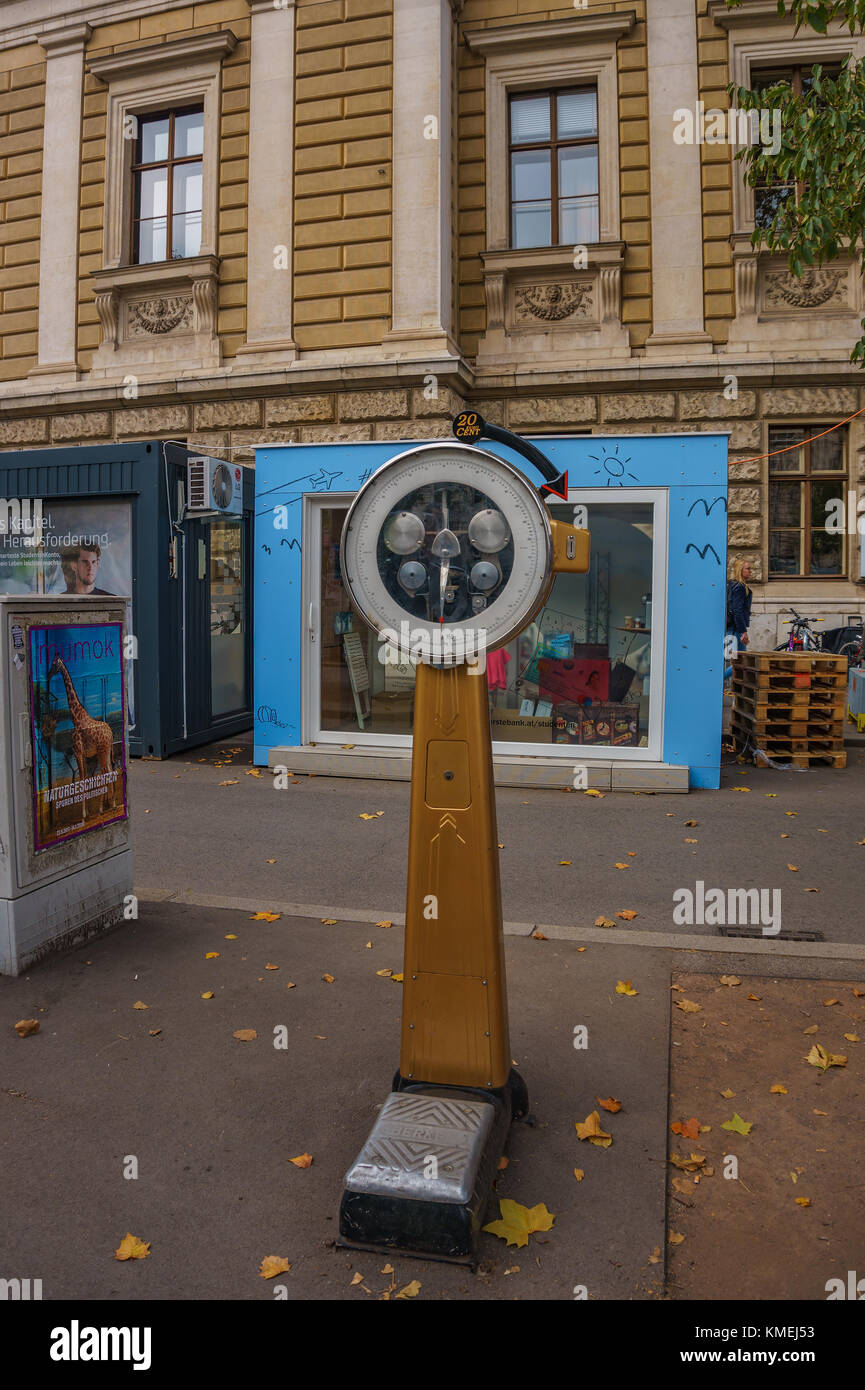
point(167, 185)
point(553, 147)
point(768, 197)
point(803, 481)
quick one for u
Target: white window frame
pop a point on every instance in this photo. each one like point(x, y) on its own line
point(311, 731)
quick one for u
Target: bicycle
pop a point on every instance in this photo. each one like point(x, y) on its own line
point(802, 635)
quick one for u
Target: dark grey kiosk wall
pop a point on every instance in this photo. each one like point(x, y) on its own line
point(179, 698)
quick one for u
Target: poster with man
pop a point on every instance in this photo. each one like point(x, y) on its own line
point(83, 547)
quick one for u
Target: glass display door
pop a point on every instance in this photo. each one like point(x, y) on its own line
point(588, 672)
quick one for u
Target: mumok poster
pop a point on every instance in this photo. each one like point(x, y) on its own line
point(76, 713)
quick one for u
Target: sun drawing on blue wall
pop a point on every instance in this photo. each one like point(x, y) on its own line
point(613, 467)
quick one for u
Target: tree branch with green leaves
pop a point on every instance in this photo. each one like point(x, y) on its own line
point(821, 153)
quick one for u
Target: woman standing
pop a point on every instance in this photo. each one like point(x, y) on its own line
point(739, 597)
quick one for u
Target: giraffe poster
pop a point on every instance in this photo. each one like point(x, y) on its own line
point(76, 712)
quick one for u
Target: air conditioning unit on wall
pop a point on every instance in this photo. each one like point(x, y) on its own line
point(213, 486)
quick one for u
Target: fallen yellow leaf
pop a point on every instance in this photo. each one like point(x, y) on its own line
point(302, 1161)
point(625, 987)
point(271, 967)
point(730, 980)
point(778, 1090)
point(384, 924)
point(409, 1291)
point(802, 1201)
point(611, 1104)
point(131, 1248)
point(328, 979)
point(329, 921)
point(627, 913)
point(208, 994)
point(265, 917)
point(273, 1264)
point(211, 955)
point(139, 1005)
point(852, 1037)
point(590, 791)
point(604, 922)
point(591, 1129)
point(688, 1006)
point(384, 972)
point(579, 1174)
point(688, 1165)
point(819, 1057)
point(246, 1035)
point(232, 782)
point(27, 1026)
point(517, 1222)
point(675, 1238)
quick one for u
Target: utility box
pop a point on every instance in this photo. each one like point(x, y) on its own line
point(65, 857)
point(856, 697)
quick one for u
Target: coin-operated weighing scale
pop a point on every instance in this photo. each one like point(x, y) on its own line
point(448, 552)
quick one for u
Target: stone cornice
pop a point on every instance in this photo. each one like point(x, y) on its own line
point(763, 370)
point(751, 12)
point(161, 56)
point(515, 38)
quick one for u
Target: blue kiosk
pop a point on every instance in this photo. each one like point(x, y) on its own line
point(616, 683)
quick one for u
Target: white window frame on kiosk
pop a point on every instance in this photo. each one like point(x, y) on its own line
point(311, 730)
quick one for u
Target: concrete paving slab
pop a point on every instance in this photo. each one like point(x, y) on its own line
point(212, 1123)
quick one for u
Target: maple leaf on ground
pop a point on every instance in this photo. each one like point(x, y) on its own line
point(625, 987)
point(302, 1161)
point(730, 980)
point(819, 1057)
point(728, 1094)
point(131, 1248)
point(517, 1222)
point(614, 1106)
point(737, 1125)
point(778, 1090)
point(409, 1290)
point(604, 922)
point(688, 1165)
point(272, 1265)
point(265, 917)
point(627, 914)
point(591, 1129)
point(140, 1005)
point(689, 1129)
point(688, 1006)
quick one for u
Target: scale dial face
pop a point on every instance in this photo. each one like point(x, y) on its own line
point(447, 536)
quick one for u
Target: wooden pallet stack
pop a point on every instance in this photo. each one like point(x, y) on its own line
point(791, 705)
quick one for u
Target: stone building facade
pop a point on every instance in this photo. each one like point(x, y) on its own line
point(355, 272)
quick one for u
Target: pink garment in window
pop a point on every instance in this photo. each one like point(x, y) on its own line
point(496, 673)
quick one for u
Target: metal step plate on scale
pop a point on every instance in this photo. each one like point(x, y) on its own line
point(420, 1182)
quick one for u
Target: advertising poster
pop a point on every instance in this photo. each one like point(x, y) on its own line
point(76, 719)
point(75, 547)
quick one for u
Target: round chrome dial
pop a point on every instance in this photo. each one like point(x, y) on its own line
point(456, 505)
